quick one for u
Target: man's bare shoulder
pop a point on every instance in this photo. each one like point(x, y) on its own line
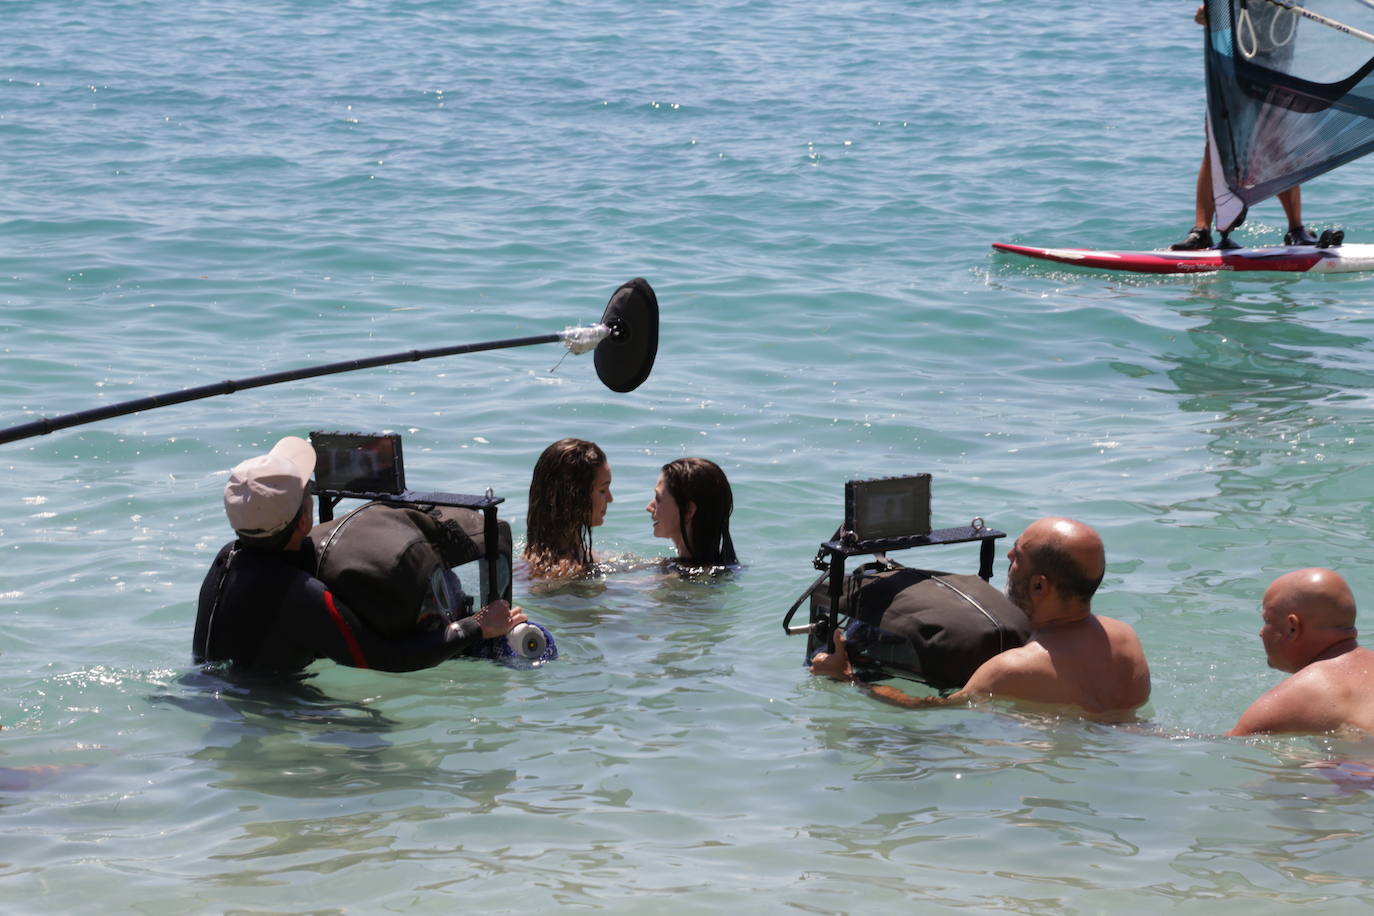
point(1356, 665)
point(1096, 664)
point(1117, 629)
point(1034, 677)
point(1121, 637)
point(1124, 642)
point(1013, 668)
point(1324, 696)
point(1295, 704)
point(1030, 657)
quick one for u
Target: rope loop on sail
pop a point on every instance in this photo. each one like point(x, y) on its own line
point(1292, 30)
point(1245, 27)
point(1299, 10)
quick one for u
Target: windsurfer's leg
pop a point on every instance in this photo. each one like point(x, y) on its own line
point(1204, 206)
point(1292, 205)
point(1200, 236)
point(1297, 233)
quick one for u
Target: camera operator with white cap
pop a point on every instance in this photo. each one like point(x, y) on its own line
point(263, 609)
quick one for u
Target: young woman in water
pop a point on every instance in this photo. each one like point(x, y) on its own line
point(569, 493)
point(691, 507)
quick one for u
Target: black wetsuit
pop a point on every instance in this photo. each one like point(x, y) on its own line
point(266, 612)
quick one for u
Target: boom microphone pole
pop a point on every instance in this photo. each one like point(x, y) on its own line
point(625, 341)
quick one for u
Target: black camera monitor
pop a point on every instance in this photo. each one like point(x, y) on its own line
point(888, 507)
point(359, 462)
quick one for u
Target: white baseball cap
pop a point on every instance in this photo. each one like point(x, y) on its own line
point(264, 494)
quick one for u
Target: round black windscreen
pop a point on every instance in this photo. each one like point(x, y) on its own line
point(625, 357)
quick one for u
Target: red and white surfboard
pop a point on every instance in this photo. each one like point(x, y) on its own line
point(1286, 258)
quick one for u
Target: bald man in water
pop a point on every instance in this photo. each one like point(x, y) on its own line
point(1309, 631)
point(1074, 658)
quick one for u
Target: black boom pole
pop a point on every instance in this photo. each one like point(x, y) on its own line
point(229, 386)
point(626, 343)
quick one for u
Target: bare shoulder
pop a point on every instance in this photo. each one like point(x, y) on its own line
point(1357, 663)
point(1299, 703)
point(1029, 657)
point(1014, 666)
point(1096, 664)
point(1126, 654)
point(1119, 630)
point(1324, 696)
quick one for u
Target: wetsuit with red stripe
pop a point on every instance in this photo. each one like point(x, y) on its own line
point(265, 611)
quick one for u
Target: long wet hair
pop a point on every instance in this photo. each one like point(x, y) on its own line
point(706, 537)
point(557, 528)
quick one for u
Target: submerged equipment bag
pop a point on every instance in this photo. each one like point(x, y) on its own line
point(934, 627)
point(390, 563)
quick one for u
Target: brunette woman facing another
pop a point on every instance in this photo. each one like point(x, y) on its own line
point(691, 507)
point(569, 493)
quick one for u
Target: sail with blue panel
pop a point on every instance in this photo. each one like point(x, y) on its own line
point(1290, 95)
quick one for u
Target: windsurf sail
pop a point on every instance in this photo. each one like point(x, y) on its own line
point(1290, 95)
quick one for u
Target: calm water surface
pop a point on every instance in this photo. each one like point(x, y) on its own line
point(199, 191)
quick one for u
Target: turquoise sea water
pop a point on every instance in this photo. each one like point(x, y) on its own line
point(198, 191)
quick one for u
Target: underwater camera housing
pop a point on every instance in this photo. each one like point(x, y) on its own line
point(370, 467)
point(951, 622)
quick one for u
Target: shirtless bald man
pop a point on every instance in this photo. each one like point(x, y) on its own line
point(1074, 658)
point(1309, 631)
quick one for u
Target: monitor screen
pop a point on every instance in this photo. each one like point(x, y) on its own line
point(358, 462)
point(888, 507)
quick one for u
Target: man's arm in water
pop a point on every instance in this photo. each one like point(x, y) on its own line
point(1015, 674)
point(1010, 674)
point(836, 665)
